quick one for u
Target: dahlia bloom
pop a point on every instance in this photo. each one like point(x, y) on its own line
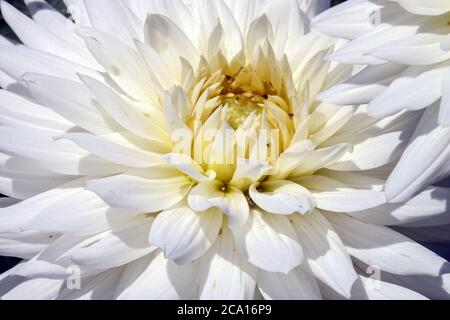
point(407, 45)
point(176, 150)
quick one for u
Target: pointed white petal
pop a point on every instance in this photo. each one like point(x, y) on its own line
point(426, 7)
point(188, 166)
point(114, 18)
point(429, 204)
point(333, 195)
point(83, 213)
point(37, 37)
point(426, 159)
point(248, 172)
point(386, 249)
point(19, 60)
point(98, 287)
point(114, 248)
point(25, 245)
point(436, 288)
point(123, 64)
point(414, 89)
point(444, 113)
point(156, 278)
point(325, 253)
point(58, 156)
point(230, 200)
point(374, 289)
point(117, 148)
point(184, 235)
point(418, 49)
point(348, 20)
point(297, 285)
point(17, 111)
point(321, 158)
point(224, 273)
point(211, 12)
point(126, 114)
point(364, 86)
point(15, 218)
point(35, 289)
point(170, 42)
point(269, 242)
point(141, 191)
point(282, 197)
point(74, 102)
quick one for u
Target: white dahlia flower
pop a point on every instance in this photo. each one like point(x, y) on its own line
point(175, 150)
point(407, 45)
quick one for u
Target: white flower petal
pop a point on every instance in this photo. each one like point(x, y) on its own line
point(418, 49)
point(54, 21)
point(118, 149)
point(114, 18)
point(98, 287)
point(349, 20)
point(444, 114)
point(374, 152)
point(114, 248)
point(184, 235)
point(333, 195)
point(82, 213)
point(143, 191)
point(24, 186)
point(35, 36)
point(327, 258)
point(78, 11)
point(35, 289)
point(436, 288)
point(363, 86)
point(25, 244)
point(124, 65)
point(188, 166)
point(386, 249)
point(414, 89)
point(126, 114)
point(170, 42)
point(373, 289)
point(282, 197)
point(167, 77)
point(19, 60)
point(357, 51)
point(297, 285)
point(269, 242)
point(248, 172)
point(46, 264)
point(230, 200)
point(156, 278)
point(291, 159)
point(73, 102)
point(58, 156)
point(15, 218)
point(321, 158)
point(433, 8)
point(175, 10)
point(432, 203)
point(16, 111)
point(426, 159)
point(212, 12)
point(224, 273)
